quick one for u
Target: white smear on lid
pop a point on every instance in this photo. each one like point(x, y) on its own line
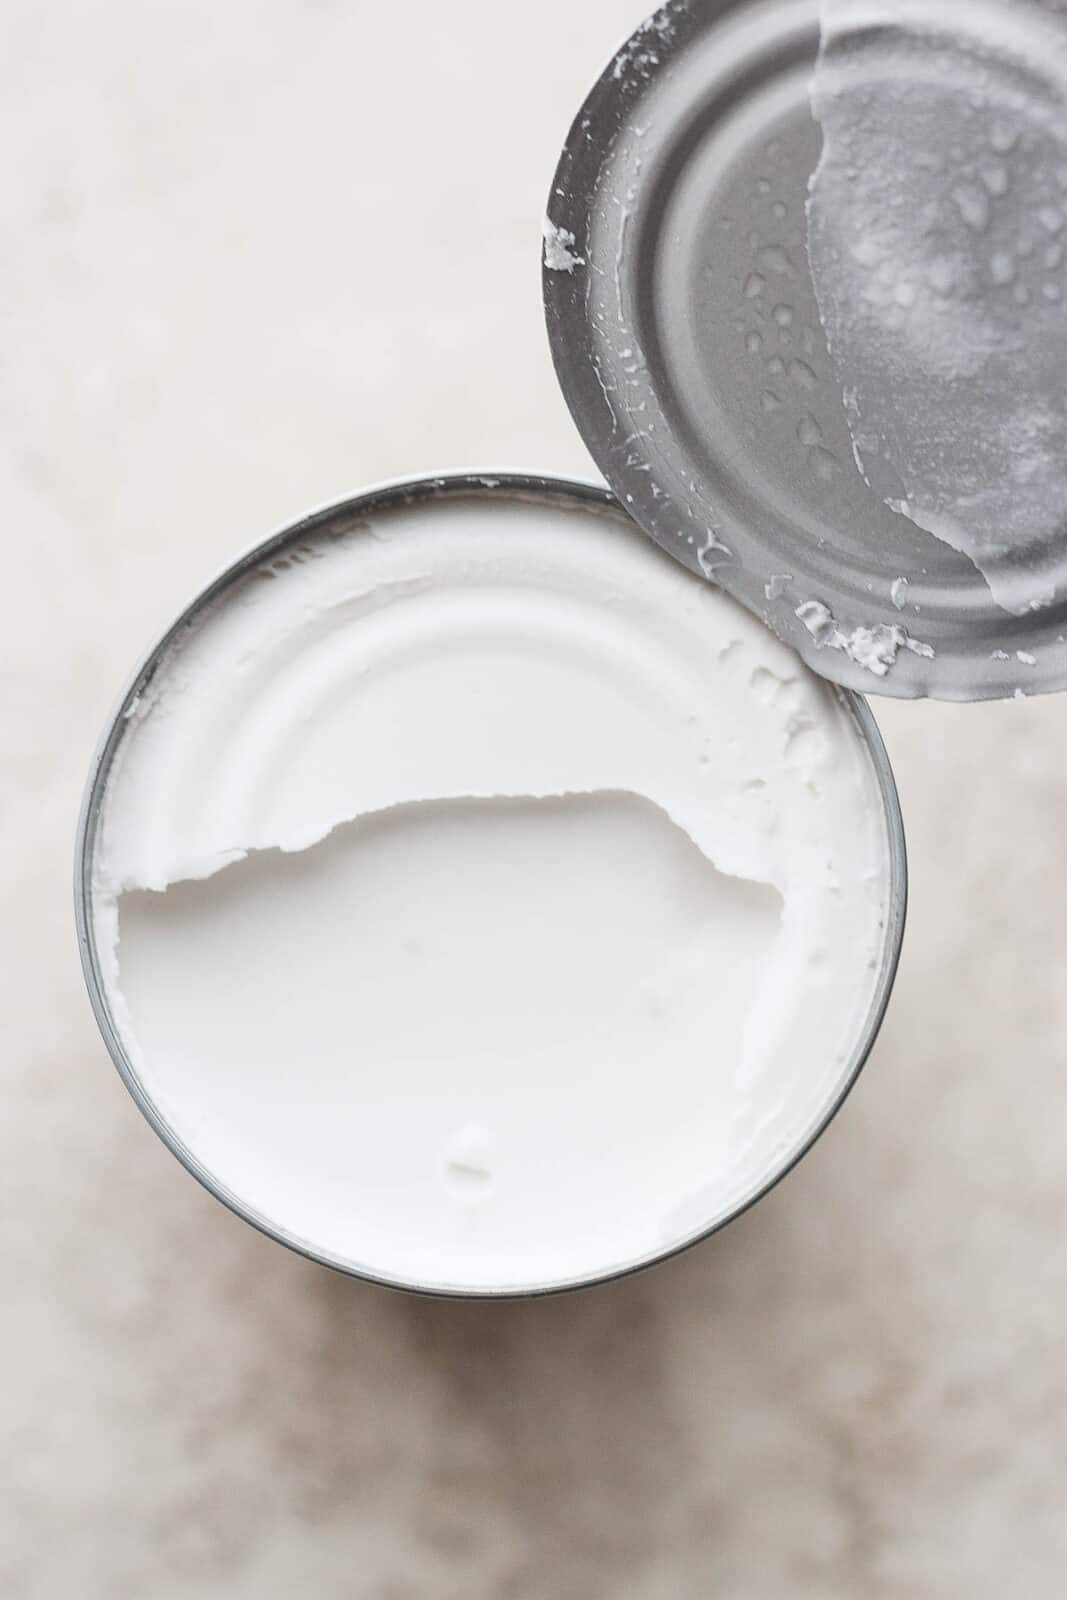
point(874, 648)
point(560, 255)
point(640, 55)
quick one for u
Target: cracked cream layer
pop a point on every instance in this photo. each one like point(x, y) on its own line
point(486, 902)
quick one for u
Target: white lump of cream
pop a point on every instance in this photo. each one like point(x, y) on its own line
point(938, 245)
point(485, 902)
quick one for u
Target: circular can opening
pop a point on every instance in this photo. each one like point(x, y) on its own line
point(477, 902)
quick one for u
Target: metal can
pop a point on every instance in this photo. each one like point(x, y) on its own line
point(363, 518)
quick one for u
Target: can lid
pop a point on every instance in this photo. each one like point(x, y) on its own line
point(686, 337)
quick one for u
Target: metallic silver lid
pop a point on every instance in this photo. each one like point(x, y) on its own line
point(686, 338)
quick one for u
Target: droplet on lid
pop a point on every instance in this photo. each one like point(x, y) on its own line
point(973, 206)
point(995, 177)
point(1003, 137)
point(808, 430)
point(803, 375)
point(774, 259)
point(1002, 267)
point(941, 275)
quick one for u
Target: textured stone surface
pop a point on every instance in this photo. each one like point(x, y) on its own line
point(254, 256)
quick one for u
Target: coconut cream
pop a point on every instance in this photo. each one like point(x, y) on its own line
point(483, 902)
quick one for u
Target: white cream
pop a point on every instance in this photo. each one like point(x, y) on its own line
point(486, 902)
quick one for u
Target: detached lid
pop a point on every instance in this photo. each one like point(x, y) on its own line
point(687, 339)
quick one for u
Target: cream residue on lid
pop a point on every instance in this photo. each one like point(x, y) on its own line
point(875, 648)
point(560, 254)
point(485, 901)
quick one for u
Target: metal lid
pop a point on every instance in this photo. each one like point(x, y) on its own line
point(686, 338)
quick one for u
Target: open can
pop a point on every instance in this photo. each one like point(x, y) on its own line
point(514, 517)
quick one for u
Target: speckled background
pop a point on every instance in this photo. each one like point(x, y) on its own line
point(253, 257)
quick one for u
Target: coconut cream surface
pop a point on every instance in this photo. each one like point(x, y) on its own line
point(482, 901)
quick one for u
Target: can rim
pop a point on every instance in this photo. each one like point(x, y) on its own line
point(389, 495)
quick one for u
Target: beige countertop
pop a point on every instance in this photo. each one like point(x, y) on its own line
point(255, 256)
